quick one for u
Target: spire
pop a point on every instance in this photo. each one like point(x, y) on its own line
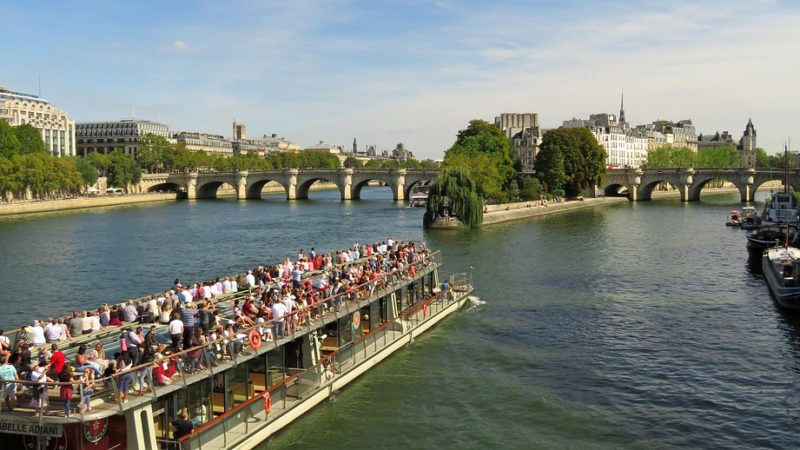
point(622, 108)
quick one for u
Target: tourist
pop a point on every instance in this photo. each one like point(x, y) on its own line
point(37, 334)
point(82, 361)
point(182, 426)
point(130, 314)
point(279, 312)
point(153, 308)
point(87, 389)
point(188, 317)
point(115, 316)
point(94, 322)
point(122, 363)
point(98, 356)
point(250, 280)
point(86, 323)
point(166, 312)
point(57, 360)
point(8, 378)
point(103, 315)
point(5, 343)
point(176, 332)
point(76, 325)
point(40, 400)
point(65, 377)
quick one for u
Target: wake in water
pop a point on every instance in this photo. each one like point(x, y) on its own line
point(475, 302)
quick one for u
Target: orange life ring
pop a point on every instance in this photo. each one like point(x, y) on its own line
point(255, 339)
point(267, 403)
point(424, 310)
point(356, 319)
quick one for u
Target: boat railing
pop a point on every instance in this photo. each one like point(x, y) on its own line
point(180, 366)
point(232, 427)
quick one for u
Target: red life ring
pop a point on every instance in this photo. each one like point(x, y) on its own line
point(255, 339)
point(267, 403)
point(356, 319)
point(424, 310)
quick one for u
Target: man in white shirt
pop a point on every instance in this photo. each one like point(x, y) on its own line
point(37, 334)
point(278, 311)
point(94, 319)
point(250, 279)
point(176, 332)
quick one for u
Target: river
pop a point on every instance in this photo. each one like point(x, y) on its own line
point(630, 325)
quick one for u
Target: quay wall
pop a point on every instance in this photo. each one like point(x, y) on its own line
point(47, 206)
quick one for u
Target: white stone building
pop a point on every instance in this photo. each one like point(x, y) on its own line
point(58, 131)
point(120, 135)
point(211, 144)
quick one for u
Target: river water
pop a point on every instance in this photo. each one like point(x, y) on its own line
point(630, 325)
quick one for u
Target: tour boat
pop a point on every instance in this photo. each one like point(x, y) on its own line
point(781, 267)
point(734, 218)
point(419, 197)
point(782, 208)
point(258, 385)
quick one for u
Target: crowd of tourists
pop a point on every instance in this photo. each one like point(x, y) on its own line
point(202, 325)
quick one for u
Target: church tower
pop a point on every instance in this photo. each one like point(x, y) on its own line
point(622, 109)
point(355, 146)
point(747, 145)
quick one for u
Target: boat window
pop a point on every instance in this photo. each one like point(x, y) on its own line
point(275, 366)
point(198, 406)
point(240, 387)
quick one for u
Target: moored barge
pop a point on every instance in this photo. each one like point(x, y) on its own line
point(258, 382)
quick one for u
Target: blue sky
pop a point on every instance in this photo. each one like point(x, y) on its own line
point(409, 71)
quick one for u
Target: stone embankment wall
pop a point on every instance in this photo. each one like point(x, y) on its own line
point(523, 210)
point(46, 206)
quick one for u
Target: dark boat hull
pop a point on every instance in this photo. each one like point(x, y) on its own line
point(787, 296)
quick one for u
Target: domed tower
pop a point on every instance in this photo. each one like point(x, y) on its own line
point(747, 145)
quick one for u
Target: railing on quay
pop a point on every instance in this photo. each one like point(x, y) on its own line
point(340, 304)
point(252, 415)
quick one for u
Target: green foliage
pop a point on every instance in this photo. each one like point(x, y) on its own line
point(762, 159)
point(40, 173)
point(87, 170)
point(570, 159)
point(9, 143)
point(30, 140)
point(719, 157)
point(351, 162)
point(152, 150)
point(529, 188)
point(671, 157)
point(486, 152)
point(122, 170)
point(303, 160)
point(455, 187)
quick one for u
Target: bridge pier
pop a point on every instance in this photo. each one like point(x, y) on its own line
point(291, 183)
point(346, 183)
point(241, 185)
point(191, 186)
point(398, 185)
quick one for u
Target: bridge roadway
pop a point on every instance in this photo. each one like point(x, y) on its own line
point(638, 184)
point(296, 182)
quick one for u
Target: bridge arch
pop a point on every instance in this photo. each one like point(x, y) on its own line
point(701, 180)
point(210, 189)
point(411, 183)
point(304, 185)
point(358, 186)
point(254, 188)
point(616, 190)
point(166, 186)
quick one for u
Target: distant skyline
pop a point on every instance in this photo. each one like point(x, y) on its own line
point(409, 71)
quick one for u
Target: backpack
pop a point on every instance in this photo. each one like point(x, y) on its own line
point(123, 342)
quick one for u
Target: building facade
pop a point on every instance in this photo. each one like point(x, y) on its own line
point(525, 134)
point(211, 144)
point(239, 131)
point(624, 146)
point(718, 139)
point(58, 131)
point(120, 135)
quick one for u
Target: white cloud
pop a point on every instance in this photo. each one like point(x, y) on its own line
point(179, 46)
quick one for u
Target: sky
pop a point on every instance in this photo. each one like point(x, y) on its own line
point(410, 71)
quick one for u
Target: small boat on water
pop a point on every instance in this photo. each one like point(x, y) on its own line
point(782, 208)
point(781, 267)
point(749, 218)
point(734, 218)
point(419, 196)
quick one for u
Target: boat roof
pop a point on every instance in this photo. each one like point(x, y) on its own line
point(788, 253)
point(748, 208)
point(734, 211)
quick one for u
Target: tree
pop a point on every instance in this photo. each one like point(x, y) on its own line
point(30, 139)
point(9, 142)
point(454, 192)
point(762, 159)
point(529, 188)
point(351, 162)
point(122, 170)
point(570, 159)
point(150, 154)
point(483, 144)
point(87, 170)
point(667, 156)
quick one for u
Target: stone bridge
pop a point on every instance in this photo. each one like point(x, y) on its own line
point(638, 184)
point(296, 182)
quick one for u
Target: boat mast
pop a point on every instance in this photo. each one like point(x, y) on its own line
point(786, 189)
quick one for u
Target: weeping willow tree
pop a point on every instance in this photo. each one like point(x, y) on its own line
point(454, 193)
